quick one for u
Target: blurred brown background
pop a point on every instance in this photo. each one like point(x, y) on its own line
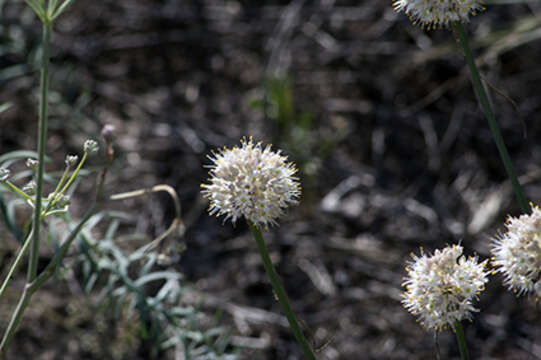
point(379, 115)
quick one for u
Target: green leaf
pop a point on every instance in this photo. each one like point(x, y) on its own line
point(182, 311)
point(158, 275)
point(10, 220)
point(4, 107)
point(10, 72)
point(111, 229)
point(148, 266)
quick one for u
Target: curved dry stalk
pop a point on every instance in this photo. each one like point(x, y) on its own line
point(176, 224)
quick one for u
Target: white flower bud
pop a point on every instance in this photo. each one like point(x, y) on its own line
point(90, 146)
point(32, 164)
point(4, 174)
point(71, 160)
point(108, 132)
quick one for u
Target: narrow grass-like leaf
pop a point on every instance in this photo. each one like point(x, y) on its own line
point(9, 220)
point(19, 154)
point(169, 289)
point(13, 71)
point(159, 275)
point(112, 229)
point(4, 107)
point(148, 266)
point(181, 311)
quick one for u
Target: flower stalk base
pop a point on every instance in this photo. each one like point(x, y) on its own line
point(461, 339)
point(281, 294)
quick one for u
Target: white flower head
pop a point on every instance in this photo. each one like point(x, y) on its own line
point(440, 289)
point(434, 14)
point(251, 181)
point(517, 253)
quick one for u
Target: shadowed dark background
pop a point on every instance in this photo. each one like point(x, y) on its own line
point(379, 115)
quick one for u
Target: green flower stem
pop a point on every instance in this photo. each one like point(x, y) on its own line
point(18, 191)
point(58, 193)
point(494, 128)
point(61, 182)
point(15, 320)
point(15, 264)
point(42, 139)
point(459, 332)
point(51, 8)
point(74, 175)
point(281, 294)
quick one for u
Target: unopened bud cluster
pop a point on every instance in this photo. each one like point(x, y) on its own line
point(30, 188)
point(434, 14)
point(517, 253)
point(441, 289)
point(90, 146)
point(4, 174)
point(71, 160)
point(32, 164)
point(251, 181)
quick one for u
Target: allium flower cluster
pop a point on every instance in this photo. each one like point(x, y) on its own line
point(251, 181)
point(438, 13)
point(517, 253)
point(440, 289)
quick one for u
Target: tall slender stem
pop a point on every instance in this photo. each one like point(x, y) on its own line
point(461, 339)
point(15, 319)
point(15, 264)
point(494, 127)
point(42, 139)
point(281, 294)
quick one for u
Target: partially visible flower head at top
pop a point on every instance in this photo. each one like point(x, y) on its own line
point(517, 253)
point(251, 181)
point(440, 289)
point(433, 14)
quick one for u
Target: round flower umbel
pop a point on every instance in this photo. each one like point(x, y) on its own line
point(434, 14)
point(517, 253)
point(440, 289)
point(251, 181)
